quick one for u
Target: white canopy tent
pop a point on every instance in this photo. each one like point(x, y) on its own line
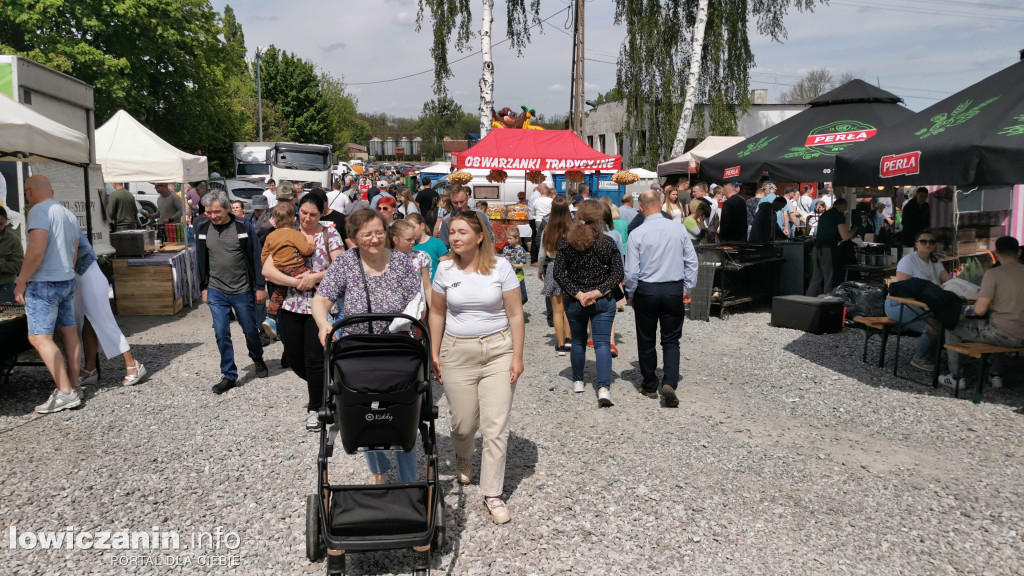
point(129, 152)
point(28, 136)
point(687, 163)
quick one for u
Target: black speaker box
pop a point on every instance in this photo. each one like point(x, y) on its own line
point(814, 315)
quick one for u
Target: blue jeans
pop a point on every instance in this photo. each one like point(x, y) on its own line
point(926, 343)
point(380, 463)
point(50, 305)
point(244, 305)
point(600, 315)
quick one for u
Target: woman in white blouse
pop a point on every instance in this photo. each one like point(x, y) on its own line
point(477, 332)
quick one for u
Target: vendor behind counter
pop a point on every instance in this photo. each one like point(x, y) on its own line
point(11, 256)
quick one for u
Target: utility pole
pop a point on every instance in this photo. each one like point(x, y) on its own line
point(577, 84)
point(259, 95)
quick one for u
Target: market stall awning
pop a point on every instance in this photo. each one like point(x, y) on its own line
point(803, 148)
point(973, 138)
point(688, 162)
point(512, 149)
point(130, 152)
point(28, 136)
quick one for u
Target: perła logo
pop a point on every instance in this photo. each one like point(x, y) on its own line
point(900, 164)
point(732, 172)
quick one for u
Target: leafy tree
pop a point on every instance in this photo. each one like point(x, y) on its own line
point(448, 16)
point(438, 119)
point(294, 85)
point(654, 60)
point(344, 123)
point(166, 62)
point(813, 84)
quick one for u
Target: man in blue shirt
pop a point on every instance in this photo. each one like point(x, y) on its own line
point(661, 266)
point(46, 287)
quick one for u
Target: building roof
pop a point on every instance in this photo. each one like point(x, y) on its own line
point(353, 147)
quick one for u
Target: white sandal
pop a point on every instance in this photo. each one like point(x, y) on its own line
point(133, 379)
point(90, 378)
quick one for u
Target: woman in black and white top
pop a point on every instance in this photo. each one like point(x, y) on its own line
point(477, 332)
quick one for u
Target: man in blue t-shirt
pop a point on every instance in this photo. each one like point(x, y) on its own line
point(46, 287)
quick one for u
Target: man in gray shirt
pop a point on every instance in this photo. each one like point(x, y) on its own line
point(169, 205)
point(460, 201)
point(231, 278)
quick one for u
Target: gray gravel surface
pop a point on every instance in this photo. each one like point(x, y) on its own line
point(787, 455)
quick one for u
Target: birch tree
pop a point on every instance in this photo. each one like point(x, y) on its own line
point(450, 22)
point(690, 92)
point(656, 61)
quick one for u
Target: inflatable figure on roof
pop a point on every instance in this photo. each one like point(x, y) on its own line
point(505, 118)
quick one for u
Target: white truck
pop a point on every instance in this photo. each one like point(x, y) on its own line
point(306, 165)
point(251, 162)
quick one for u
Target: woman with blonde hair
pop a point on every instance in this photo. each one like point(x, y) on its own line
point(477, 333)
point(406, 203)
point(553, 232)
point(672, 207)
point(588, 268)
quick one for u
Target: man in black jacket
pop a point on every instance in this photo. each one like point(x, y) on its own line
point(231, 278)
point(733, 227)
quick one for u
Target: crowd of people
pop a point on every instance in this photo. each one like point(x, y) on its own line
point(299, 262)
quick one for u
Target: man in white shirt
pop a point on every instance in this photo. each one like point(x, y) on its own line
point(271, 194)
point(337, 200)
point(535, 234)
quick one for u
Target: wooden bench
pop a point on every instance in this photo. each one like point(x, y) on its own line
point(881, 325)
point(979, 351)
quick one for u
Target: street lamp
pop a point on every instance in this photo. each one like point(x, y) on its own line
point(259, 94)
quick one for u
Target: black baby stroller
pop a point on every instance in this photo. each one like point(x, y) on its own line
point(377, 395)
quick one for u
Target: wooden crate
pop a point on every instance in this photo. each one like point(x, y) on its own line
point(144, 290)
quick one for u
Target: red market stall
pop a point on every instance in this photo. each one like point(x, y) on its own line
point(532, 151)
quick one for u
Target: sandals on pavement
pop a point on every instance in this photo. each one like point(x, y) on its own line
point(133, 379)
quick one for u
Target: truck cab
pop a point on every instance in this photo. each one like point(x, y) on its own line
point(306, 165)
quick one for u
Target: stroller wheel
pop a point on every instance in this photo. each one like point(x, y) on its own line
point(439, 531)
point(314, 551)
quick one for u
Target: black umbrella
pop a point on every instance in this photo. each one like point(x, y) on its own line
point(975, 137)
point(803, 148)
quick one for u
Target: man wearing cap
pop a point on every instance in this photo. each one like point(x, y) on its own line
point(383, 191)
point(169, 207)
point(661, 266)
point(734, 215)
point(259, 205)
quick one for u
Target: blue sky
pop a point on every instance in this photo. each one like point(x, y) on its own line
point(922, 50)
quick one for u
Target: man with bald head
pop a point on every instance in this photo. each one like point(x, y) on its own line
point(46, 288)
point(661, 267)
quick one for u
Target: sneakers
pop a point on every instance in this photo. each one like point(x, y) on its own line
point(579, 387)
point(270, 328)
point(559, 351)
point(922, 364)
point(995, 380)
point(223, 386)
point(668, 394)
point(463, 470)
point(89, 378)
point(133, 379)
point(59, 401)
point(312, 421)
point(604, 397)
point(949, 381)
point(499, 512)
point(261, 369)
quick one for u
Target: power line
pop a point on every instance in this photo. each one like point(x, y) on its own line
point(923, 10)
point(466, 57)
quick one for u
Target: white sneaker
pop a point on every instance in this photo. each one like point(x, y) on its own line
point(579, 387)
point(312, 421)
point(995, 380)
point(59, 401)
point(604, 397)
point(948, 381)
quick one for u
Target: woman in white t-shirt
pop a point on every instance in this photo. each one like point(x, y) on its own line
point(672, 207)
point(477, 333)
point(921, 263)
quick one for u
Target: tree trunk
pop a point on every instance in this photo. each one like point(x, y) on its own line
point(487, 78)
point(692, 77)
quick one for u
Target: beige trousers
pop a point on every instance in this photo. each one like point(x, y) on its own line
point(475, 372)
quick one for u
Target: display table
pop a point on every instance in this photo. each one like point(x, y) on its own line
point(14, 335)
point(155, 285)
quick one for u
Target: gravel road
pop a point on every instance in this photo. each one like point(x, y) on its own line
point(787, 455)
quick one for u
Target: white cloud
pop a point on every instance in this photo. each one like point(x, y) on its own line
point(403, 18)
point(557, 88)
point(591, 86)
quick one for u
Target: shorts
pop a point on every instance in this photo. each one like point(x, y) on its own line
point(50, 305)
